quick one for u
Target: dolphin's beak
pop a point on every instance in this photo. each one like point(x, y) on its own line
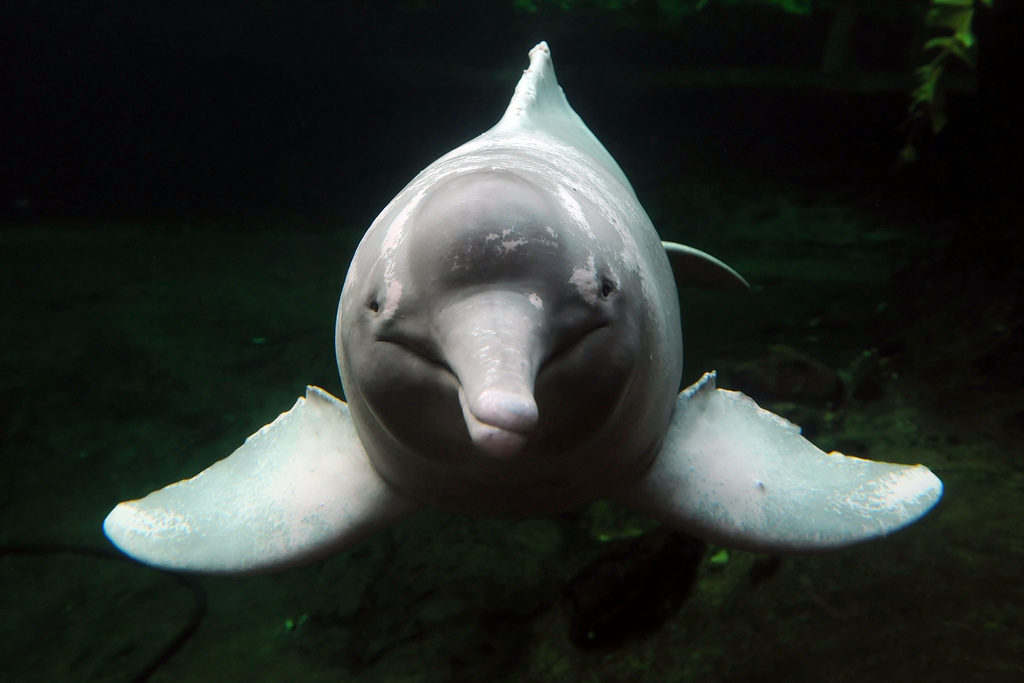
point(494, 342)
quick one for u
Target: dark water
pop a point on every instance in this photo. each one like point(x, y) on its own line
point(183, 190)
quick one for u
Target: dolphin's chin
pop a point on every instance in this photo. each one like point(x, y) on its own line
point(496, 442)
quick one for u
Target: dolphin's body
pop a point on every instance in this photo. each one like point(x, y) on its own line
point(509, 342)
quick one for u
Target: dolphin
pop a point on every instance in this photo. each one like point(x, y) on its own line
point(509, 342)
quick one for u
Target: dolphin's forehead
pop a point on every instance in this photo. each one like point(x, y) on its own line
point(523, 209)
point(589, 194)
point(488, 224)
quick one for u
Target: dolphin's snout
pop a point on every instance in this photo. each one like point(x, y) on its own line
point(515, 412)
point(494, 342)
point(500, 422)
point(501, 425)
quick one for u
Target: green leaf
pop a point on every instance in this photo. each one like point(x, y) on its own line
point(719, 558)
point(952, 45)
point(929, 81)
point(944, 42)
point(956, 19)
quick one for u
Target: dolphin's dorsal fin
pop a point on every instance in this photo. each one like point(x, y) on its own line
point(539, 105)
point(695, 268)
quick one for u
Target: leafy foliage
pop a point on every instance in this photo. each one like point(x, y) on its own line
point(951, 20)
point(948, 24)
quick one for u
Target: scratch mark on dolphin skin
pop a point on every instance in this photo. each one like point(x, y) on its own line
point(392, 294)
point(575, 211)
point(393, 238)
point(507, 241)
point(585, 280)
point(396, 230)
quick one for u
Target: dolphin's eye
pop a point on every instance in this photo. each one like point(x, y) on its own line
point(607, 287)
point(374, 305)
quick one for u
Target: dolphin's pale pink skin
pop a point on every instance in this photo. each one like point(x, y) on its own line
point(509, 342)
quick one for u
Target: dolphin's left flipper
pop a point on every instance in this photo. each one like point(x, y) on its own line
point(738, 475)
point(296, 490)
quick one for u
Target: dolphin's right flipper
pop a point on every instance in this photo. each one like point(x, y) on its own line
point(738, 475)
point(300, 488)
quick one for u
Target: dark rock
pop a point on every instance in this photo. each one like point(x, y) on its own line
point(764, 568)
point(868, 388)
point(632, 589)
point(785, 374)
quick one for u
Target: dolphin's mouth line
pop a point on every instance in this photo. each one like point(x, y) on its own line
point(473, 417)
point(492, 440)
point(418, 351)
point(567, 346)
point(496, 428)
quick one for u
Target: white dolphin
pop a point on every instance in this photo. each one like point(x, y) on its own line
point(509, 342)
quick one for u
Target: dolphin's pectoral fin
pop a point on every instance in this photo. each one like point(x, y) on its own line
point(298, 489)
point(738, 475)
point(695, 268)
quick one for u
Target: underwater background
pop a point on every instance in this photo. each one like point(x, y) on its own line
point(184, 184)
